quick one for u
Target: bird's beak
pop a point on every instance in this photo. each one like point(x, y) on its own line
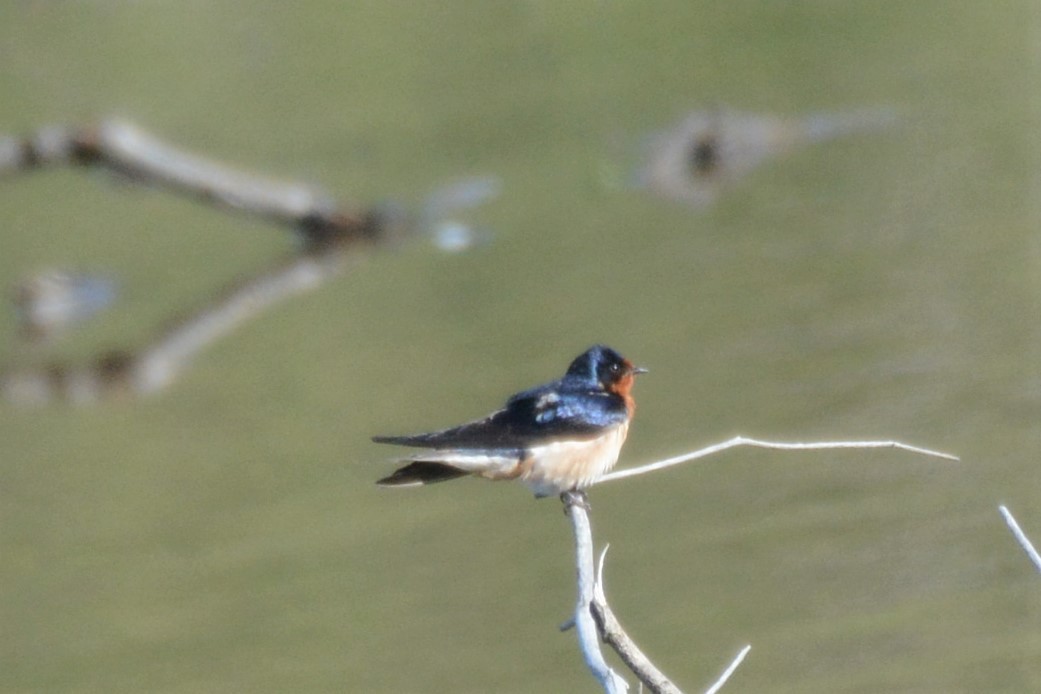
point(639, 370)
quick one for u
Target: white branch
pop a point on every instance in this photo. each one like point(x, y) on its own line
point(588, 638)
point(1021, 537)
point(729, 671)
point(144, 156)
point(779, 445)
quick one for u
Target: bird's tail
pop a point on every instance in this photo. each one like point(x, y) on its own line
point(419, 473)
point(440, 466)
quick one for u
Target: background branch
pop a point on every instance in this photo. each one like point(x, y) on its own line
point(137, 155)
point(327, 235)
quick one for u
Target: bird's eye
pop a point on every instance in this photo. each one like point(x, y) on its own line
point(615, 368)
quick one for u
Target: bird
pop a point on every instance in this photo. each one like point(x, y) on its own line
point(558, 438)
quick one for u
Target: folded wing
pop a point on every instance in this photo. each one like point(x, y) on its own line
point(440, 466)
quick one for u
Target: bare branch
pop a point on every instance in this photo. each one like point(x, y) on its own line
point(745, 441)
point(327, 236)
point(144, 157)
point(1021, 537)
point(585, 625)
point(138, 155)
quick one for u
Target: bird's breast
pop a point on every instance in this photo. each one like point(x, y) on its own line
point(559, 466)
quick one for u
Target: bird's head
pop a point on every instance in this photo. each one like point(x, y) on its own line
point(605, 369)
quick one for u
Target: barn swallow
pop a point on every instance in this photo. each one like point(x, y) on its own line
point(558, 438)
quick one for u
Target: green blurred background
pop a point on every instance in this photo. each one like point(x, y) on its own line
point(226, 534)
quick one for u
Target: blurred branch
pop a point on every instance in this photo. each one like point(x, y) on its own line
point(157, 365)
point(696, 159)
point(139, 156)
point(328, 237)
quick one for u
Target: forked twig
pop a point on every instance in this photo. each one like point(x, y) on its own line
point(593, 601)
point(778, 445)
point(326, 234)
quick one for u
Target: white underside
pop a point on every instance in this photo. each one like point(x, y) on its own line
point(564, 465)
point(548, 469)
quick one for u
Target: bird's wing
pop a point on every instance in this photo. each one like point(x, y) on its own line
point(496, 431)
point(535, 416)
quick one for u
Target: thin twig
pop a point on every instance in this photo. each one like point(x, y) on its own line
point(585, 625)
point(745, 441)
point(1021, 537)
point(729, 671)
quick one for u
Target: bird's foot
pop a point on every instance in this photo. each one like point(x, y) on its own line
point(575, 497)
